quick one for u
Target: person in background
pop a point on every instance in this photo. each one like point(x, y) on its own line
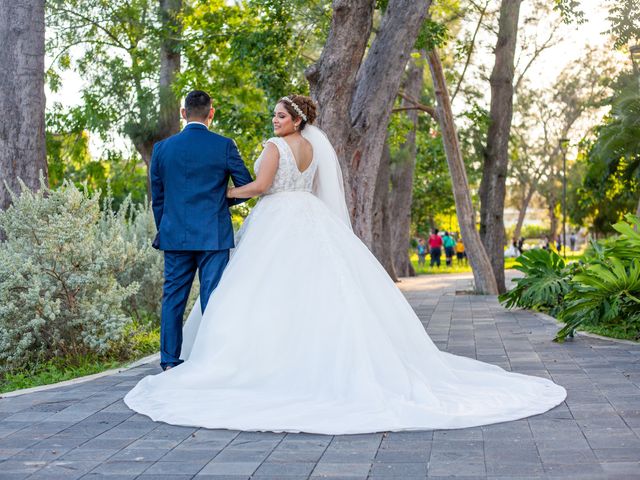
point(572, 241)
point(514, 244)
point(521, 244)
point(558, 243)
point(435, 248)
point(449, 246)
point(512, 251)
point(422, 251)
point(461, 255)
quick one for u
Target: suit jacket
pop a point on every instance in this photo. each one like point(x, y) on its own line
point(189, 176)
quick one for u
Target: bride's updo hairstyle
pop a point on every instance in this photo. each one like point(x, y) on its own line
point(300, 106)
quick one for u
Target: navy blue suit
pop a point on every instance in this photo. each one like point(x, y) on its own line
point(190, 172)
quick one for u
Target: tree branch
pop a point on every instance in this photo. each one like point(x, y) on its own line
point(95, 24)
point(416, 106)
point(473, 43)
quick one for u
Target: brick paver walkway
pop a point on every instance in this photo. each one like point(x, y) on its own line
point(86, 431)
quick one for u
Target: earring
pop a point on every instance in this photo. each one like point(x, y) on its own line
point(295, 127)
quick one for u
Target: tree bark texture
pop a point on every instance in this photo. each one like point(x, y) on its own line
point(496, 155)
point(355, 93)
point(22, 100)
point(483, 275)
point(169, 118)
point(553, 218)
point(382, 246)
point(402, 170)
point(522, 213)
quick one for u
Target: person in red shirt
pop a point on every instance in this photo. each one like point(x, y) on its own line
point(435, 248)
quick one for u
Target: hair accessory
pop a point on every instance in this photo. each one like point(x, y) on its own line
point(295, 107)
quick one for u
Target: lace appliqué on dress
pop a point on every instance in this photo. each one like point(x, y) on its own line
point(288, 178)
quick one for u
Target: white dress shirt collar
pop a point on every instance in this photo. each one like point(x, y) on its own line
point(200, 123)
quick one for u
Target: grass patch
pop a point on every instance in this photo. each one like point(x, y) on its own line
point(56, 371)
point(464, 267)
point(140, 343)
point(622, 332)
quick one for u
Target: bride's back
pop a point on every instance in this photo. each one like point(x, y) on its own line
point(302, 152)
point(296, 167)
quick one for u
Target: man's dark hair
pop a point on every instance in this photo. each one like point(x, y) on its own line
point(197, 104)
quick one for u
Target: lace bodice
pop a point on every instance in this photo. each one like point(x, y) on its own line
point(288, 178)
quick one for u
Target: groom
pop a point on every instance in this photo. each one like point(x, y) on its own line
point(189, 176)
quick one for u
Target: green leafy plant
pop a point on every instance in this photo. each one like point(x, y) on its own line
point(600, 293)
point(73, 277)
point(606, 292)
point(546, 281)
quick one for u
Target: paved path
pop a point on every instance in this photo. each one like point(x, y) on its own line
point(85, 430)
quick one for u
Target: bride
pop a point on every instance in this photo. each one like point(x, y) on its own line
point(307, 333)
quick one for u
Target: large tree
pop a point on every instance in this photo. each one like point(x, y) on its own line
point(484, 278)
point(130, 60)
point(22, 101)
point(496, 158)
point(402, 170)
point(356, 92)
point(485, 281)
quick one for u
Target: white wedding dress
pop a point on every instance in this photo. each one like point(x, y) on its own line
point(306, 332)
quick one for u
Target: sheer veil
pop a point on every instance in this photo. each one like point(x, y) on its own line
point(328, 185)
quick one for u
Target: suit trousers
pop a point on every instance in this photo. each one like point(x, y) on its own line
point(179, 271)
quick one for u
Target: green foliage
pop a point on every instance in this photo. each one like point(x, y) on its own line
point(570, 11)
point(432, 190)
point(221, 46)
point(72, 276)
point(119, 62)
point(625, 23)
point(141, 341)
point(606, 291)
point(529, 231)
point(246, 54)
point(544, 285)
point(601, 292)
point(56, 370)
point(432, 35)
point(611, 163)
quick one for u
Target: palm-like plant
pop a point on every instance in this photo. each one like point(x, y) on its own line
point(606, 291)
point(544, 285)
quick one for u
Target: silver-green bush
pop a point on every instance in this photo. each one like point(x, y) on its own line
point(72, 276)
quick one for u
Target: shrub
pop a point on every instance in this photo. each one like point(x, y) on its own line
point(545, 283)
point(135, 224)
point(71, 275)
point(601, 291)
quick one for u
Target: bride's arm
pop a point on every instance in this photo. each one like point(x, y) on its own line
point(266, 174)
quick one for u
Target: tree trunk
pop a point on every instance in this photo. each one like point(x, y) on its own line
point(356, 96)
point(402, 169)
point(382, 247)
point(553, 219)
point(169, 118)
point(523, 211)
point(483, 275)
point(496, 155)
point(169, 104)
point(22, 100)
